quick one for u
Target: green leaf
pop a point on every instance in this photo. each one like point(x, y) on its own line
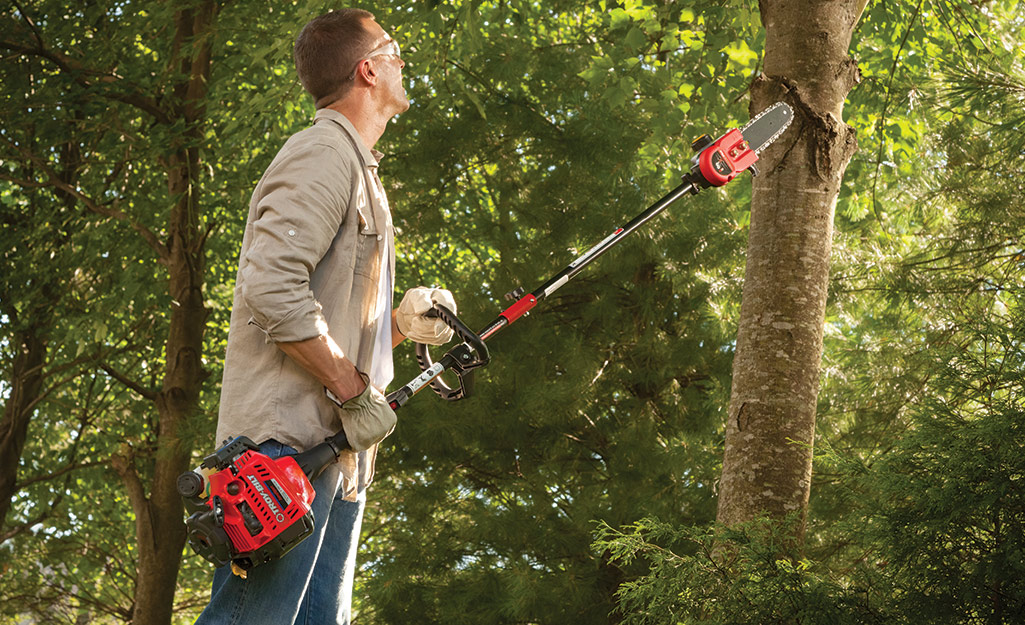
point(636, 38)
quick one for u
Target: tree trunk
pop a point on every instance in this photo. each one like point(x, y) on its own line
point(26, 385)
point(771, 418)
point(160, 531)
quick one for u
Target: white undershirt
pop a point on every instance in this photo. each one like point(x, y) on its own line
point(382, 370)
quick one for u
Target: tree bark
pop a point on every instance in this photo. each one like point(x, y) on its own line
point(160, 531)
point(767, 463)
point(26, 386)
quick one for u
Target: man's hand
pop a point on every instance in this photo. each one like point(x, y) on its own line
point(411, 320)
point(367, 418)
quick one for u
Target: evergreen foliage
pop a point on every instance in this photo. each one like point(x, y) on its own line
point(948, 512)
point(718, 575)
point(939, 528)
point(917, 511)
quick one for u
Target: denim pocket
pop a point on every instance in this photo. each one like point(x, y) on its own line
point(273, 449)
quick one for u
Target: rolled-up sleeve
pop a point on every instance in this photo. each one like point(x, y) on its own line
point(303, 201)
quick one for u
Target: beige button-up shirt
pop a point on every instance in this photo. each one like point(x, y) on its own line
point(317, 233)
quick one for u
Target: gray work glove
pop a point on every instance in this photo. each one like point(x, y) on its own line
point(366, 418)
point(412, 322)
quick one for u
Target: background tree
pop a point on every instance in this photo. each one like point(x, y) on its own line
point(169, 104)
point(114, 146)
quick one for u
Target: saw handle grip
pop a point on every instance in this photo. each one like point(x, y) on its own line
point(314, 460)
point(461, 359)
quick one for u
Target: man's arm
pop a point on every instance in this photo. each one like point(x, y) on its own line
point(324, 360)
point(396, 336)
point(364, 412)
point(295, 223)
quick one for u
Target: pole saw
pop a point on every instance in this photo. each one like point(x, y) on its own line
point(247, 509)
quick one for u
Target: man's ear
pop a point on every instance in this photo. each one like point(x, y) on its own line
point(366, 71)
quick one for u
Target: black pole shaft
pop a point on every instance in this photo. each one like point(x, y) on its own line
point(401, 396)
point(575, 267)
point(555, 282)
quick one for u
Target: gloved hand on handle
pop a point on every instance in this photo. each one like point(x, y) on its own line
point(412, 322)
point(366, 418)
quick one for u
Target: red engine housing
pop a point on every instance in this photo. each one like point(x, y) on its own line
point(276, 491)
point(250, 509)
point(728, 156)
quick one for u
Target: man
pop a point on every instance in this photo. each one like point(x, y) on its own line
point(312, 328)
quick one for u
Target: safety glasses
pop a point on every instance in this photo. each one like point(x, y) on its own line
point(388, 47)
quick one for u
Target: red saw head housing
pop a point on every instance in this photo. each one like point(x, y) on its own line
point(721, 161)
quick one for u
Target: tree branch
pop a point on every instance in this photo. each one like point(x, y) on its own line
point(58, 473)
point(22, 527)
point(107, 209)
point(79, 72)
point(147, 393)
point(39, 518)
point(125, 468)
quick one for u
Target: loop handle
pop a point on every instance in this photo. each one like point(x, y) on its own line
point(461, 359)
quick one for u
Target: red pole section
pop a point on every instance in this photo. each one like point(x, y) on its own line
point(516, 311)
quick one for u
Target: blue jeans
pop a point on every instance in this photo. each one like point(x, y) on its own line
point(311, 584)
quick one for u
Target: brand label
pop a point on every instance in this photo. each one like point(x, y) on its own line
point(274, 510)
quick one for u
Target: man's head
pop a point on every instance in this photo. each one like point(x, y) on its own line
point(333, 51)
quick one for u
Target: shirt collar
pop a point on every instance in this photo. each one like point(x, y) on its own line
point(370, 156)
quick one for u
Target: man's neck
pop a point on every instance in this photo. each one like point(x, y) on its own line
point(369, 123)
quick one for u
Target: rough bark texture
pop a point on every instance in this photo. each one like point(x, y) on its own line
point(160, 531)
point(26, 384)
point(771, 422)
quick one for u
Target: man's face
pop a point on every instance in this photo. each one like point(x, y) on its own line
point(389, 66)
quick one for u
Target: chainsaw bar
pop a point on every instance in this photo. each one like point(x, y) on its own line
point(767, 126)
point(720, 161)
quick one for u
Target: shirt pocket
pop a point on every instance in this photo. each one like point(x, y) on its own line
point(369, 239)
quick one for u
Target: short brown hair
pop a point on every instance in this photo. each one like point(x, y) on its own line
point(326, 51)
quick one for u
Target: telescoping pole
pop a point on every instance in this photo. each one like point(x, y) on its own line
point(525, 303)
